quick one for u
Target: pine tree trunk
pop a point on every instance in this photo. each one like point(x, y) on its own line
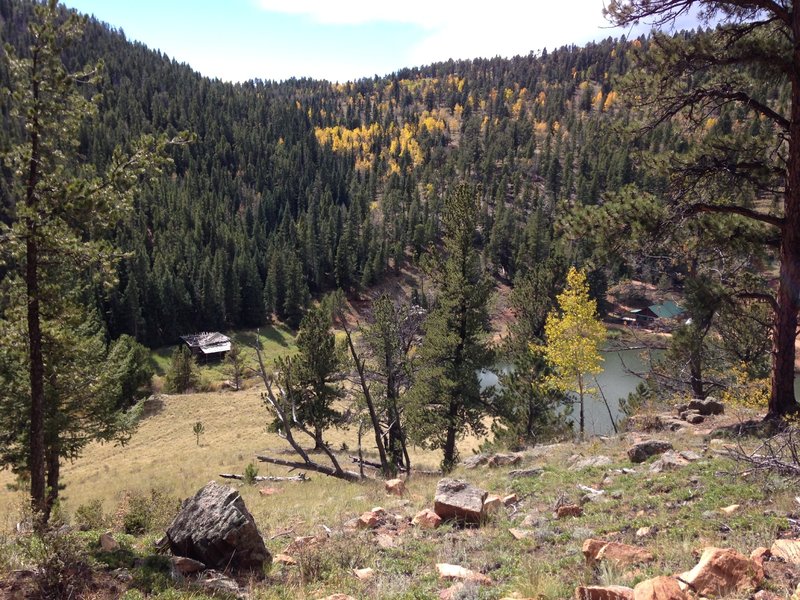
point(319, 443)
point(53, 474)
point(782, 400)
point(449, 449)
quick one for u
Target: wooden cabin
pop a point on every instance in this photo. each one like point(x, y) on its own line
point(208, 346)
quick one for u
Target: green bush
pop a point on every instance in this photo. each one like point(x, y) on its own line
point(250, 474)
point(142, 513)
point(91, 515)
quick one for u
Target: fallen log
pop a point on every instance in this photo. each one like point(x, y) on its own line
point(374, 465)
point(311, 466)
point(298, 477)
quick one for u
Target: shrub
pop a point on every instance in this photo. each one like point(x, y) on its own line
point(250, 474)
point(140, 513)
point(91, 515)
point(60, 562)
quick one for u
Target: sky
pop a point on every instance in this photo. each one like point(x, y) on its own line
point(344, 40)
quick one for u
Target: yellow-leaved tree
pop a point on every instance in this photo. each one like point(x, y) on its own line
point(573, 336)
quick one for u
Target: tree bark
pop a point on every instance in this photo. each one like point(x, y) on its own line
point(53, 473)
point(312, 466)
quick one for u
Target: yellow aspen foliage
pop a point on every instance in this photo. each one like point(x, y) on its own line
point(610, 100)
point(597, 101)
point(709, 124)
point(583, 85)
point(458, 110)
point(573, 337)
point(540, 127)
point(541, 97)
point(508, 95)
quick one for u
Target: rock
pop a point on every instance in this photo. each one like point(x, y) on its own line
point(107, 542)
point(608, 592)
point(510, 499)
point(765, 595)
point(729, 510)
point(622, 554)
point(395, 487)
point(284, 559)
point(122, 574)
point(689, 455)
point(723, 571)
point(492, 504)
point(459, 500)
point(659, 588)
point(215, 527)
point(475, 461)
point(371, 519)
point(338, 597)
point(303, 542)
point(364, 574)
point(215, 582)
point(761, 554)
point(788, 550)
point(692, 417)
point(186, 566)
point(454, 592)
point(268, 491)
point(517, 473)
point(503, 460)
point(426, 519)
point(669, 461)
point(592, 461)
point(568, 510)
point(643, 532)
point(709, 406)
point(643, 450)
point(521, 534)
point(447, 571)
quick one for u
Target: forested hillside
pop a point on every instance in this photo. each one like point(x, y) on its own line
point(291, 189)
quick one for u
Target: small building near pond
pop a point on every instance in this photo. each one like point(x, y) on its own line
point(208, 346)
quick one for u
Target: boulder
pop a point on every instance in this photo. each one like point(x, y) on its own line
point(186, 566)
point(517, 473)
point(669, 461)
point(692, 417)
point(568, 510)
point(643, 450)
point(395, 487)
point(107, 542)
point(492, 503)
point(621, 554)
point(723, 571)
point(215, 528)
point(788, 550)
point(709, 406)
point(475, 461)
point(364, 574)
point(761, 554)
point(510, 499)
point(447, 571)
point(371, 519)
point(729, 510)
point(659, 588)
point(503, 460)
point(607, 592)
point(459, 500)
point(426, 519)
point(592, 461)
point(214, 582)
point(521, 534)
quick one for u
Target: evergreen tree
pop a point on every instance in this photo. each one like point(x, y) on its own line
point(445, 400)
point(181, 376)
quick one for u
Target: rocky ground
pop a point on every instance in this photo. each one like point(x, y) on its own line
point(667, 512)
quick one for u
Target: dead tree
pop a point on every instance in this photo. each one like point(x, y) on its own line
point(282, 405)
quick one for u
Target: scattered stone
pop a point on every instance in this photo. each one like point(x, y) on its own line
point(622, 554)
point(709, 406)
point(492, 503)
point(517, 473)
point(568, 510)
point(532, 520)
point(475, 461)
point(372, 518)
point(659, 588)
point(722, 571)
point(609, 592)
point(690, 455)
point(692, 417)
point(592, 461)
point(643, 532)
point(215, 582)
point(338, 597)
point(108, 543)
point(387, 541)
point(447, 571)
point(364, 574)
point(765, 595)
point(788, 550)
point(669, 461)
point(215, 527)
point(186, 566)
point(426, 519)
point(284, 559)
point(459, 500)
point(761, 554)
point(395, 487)
point(643, 450)
point(521, 534)
point(729, 510)
point(503, 460)
point(510, 499)
point(122, 575)
point(268, 491)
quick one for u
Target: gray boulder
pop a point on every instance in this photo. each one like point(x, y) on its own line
point(459, 500)
point(215, 528)
point(709, 406)
point(643, 450)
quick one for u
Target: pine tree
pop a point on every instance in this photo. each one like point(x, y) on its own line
point(445, 401)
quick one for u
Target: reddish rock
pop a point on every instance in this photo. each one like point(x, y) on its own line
point(788, 550)
point(186, 566)
point(107, 542)
point(659, 588)
point(371, 519)
point(521, 534)
point(268, 491)
point(426, 519)
point(761, 554)
point(447, 571)
point(568, 510)
point(459, 500)
point(608, 592)
point(622, 554)
point(284, 559)
point(492, 503)
point(510, 499)
point(723, 571)
point(765, 595)
point(395, 487)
